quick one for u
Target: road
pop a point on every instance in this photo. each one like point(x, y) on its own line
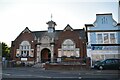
point(39, 73)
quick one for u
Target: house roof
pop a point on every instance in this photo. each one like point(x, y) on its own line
point(89, 25)
point(118, 24)
point(105, 14)
point(40, 34)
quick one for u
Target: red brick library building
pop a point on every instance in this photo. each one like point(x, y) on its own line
point(50, 45)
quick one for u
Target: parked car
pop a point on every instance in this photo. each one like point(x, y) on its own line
point(95, 62)
point(108, 64)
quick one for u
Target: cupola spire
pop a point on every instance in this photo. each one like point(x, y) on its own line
point(51, 25)
point(51, 16)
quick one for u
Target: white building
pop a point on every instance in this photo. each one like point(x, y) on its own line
point(103, 38)
point(119, 23)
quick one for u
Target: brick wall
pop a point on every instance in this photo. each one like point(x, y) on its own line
point(26, 36)
point(80, 43)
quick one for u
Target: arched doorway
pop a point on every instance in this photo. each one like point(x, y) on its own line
point(45, 55)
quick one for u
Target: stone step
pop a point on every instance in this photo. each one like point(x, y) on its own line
point(40, 65)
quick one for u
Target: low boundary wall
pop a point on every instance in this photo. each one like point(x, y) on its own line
point(48, 66)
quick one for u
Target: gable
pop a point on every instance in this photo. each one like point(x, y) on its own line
point(104, 22)
point(45, 39)
point(25, 34)
point(26, 30)
point(68, 28)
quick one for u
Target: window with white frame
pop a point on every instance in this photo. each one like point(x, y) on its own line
point(106, 38)
point(100, 40)
point(68, 44)
point(112, 38)
point(25, 50)
point(25, 46)
point(68, 49)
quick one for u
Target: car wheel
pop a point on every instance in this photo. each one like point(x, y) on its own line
point(101, 67)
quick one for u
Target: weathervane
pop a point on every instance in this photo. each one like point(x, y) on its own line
point(51, 16)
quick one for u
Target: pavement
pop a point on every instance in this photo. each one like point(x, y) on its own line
point(30, 73)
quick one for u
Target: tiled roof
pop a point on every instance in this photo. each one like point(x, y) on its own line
point(39, 34)
point(55, 34)
point(89, 25)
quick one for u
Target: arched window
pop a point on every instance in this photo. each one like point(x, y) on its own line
point(68, 44)
point(25, 46)
point(68, 49)
point(24, 50)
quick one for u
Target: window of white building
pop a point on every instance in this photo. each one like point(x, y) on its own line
point(100, 40)
point(106, 38)
point(104, 20)
point(112, 38)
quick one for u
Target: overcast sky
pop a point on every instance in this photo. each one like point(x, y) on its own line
point(15, 15)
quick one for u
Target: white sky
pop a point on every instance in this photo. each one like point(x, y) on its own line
point(15, 15)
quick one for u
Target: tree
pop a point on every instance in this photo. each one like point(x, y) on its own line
point(5, 51)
